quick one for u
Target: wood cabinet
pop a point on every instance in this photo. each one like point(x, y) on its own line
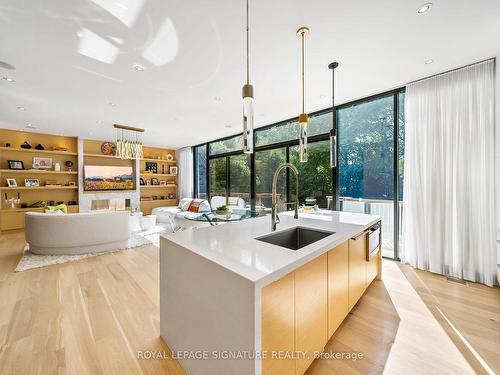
point(278, 324)
point(310, 310)
point(302, 310)
point(357, 268)
point(338, 286)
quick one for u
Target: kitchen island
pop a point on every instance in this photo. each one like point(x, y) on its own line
point(233, 304)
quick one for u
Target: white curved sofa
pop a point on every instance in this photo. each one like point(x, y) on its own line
point(174, 215)
point(74, 234)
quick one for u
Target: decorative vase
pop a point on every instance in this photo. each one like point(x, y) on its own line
point(26, 145)
point(57, 167)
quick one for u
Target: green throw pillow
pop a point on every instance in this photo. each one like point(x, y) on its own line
point(61, 207)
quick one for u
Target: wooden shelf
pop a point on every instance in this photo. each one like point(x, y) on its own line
point(28, 209)
point(39, 188)
point(158, 174)
point(100, 156)
point(36, 171)
point(160, 200)
point(158, 186)
point(160, 160)
point(35, 151)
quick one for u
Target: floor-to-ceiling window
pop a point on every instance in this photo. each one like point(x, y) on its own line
point(370, 162)
point(200, 171)
point(315, 176)
point(368, 172)
point(266, 163)
point(239, 176)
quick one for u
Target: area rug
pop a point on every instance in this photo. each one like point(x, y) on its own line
point(30, 260)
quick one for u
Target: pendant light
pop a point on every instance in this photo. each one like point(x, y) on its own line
point(333, 130)
point(247, 104)
point(302, 32)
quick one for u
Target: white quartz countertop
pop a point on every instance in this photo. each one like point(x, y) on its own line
point(234, 245)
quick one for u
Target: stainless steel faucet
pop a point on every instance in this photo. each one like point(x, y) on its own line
point(274, 215)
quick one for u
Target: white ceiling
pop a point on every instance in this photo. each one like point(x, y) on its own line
point(75, 57)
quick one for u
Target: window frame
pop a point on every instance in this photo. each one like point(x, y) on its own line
point(319, 137)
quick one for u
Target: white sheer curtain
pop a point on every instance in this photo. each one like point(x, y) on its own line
point(449, 217)
point(185, 178)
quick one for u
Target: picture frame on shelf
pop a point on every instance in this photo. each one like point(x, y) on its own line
point(154, 181)
point(31, 182)
point(148, 182)
point(171, 196)
point(16, 164)
point(43, 162)
point(72, 183)
point(163, 182)
point(141, 182)
point(173, 169)
point(11, 182)
point(152, 167)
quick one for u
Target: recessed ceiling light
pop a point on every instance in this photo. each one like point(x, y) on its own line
point(228, 126)
point(424, 8)
point(430, 61)
point(217, 98)
point(8, 79)
point(112, 104)
point(21, 108)
point(139, 67)
point(29, 125)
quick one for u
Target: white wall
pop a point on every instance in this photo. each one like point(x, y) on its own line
point(497, 156)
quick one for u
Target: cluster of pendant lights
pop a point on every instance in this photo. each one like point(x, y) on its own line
point(303, 118)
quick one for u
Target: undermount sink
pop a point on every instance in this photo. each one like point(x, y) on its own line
point(295, 238)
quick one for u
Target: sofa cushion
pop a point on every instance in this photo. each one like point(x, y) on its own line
point(61, 207)
point(184, 204)
point(199, 205)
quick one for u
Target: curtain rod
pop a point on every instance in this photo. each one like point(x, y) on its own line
point(451, 70)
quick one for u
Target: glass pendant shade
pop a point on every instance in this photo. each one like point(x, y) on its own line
point(333, 149)
point(303, 138)
point(248, 119)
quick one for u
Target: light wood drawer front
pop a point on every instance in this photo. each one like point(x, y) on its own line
point(338, 286)
point(372, 268)
point(12, 220)
point(311, 322)
point(278, 329)
point(357, 268)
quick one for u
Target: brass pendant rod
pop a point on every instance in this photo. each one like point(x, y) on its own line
point(303, 106)
point(248, 51)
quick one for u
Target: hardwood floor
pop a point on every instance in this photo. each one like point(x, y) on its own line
point(94, 315)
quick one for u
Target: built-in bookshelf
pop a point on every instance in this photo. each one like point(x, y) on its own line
point(60, 184)
point(43, 174)
point(158, 179)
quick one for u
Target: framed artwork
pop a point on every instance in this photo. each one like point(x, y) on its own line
point(141, 181)
point(31, 182)
point(16, 164)
point(11, 182)
point(173, 170)
point(163, 182)
point(152, 167)
point(154, 181)
point(43, 163)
